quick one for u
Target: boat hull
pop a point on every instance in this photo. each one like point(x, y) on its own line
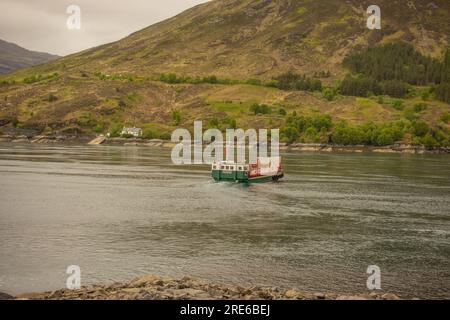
point(240, 177)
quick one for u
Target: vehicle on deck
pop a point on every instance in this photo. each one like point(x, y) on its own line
point(265, 169)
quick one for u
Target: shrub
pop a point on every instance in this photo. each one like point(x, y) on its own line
point(52, 98)
point(39, 77)
point(369, 133)
point(99, 128)
point(359, 86)
point(429, 142)
point(320, 128)
point(211, 79)
point(176, 117)
point(410, 114)
point(385, 137)
point(312, 135)
point(148, 134)
point(15, 122)
point(419, 107)
point(445, 117)
point(425, 95)
point(122, 104)
point(420, 128)
point(214, 123)
point(292, 81)
point(289, 134)
point(440, 136)
point(394, 88)
point(254, 82)
point(397, 104)
point(345, 134)
point(272, 84)
point(165, 136)
point(442, 92)
point(116, 129)
point(169, 78)
point(265, 109)
point(32, 79)
point(313, 128)
point(254, 108)
point(282, 112)
point(231, 123)
point(329, 94)
point(260, 109)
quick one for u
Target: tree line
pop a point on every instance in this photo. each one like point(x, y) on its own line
point(400, 61)
point(391, 69)
point(322, 129)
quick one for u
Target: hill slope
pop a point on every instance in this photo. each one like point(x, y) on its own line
point(13, 57)
point(263, 38)
point(103, 88)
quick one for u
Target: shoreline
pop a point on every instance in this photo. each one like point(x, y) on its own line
point(153, 287)
point(311, 147)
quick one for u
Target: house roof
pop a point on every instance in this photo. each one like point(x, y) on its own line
point(132, 129)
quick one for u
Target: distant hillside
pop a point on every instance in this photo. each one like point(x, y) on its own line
point(263, 38)
point(13, 57)
point(255, 63)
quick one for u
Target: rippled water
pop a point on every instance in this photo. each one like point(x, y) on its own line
point(121, 212)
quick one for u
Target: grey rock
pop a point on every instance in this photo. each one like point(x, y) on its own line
point(153, 287)
point(390, 296)
point(291, 294)
point(5, 296)
point(320, 296)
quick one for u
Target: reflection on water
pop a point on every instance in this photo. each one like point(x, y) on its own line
point(121, 212)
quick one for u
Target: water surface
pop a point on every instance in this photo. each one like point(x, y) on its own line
point(121, 212)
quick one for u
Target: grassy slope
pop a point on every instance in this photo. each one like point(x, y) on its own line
point(145, 102)
point(261, 38)
point(236, 39)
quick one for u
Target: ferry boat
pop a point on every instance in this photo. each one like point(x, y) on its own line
point(266, 169)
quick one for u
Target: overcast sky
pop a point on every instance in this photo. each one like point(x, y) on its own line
point(40, 25)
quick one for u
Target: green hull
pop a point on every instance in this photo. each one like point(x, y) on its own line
point(236, 176)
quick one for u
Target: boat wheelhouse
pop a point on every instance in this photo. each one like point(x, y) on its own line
point(266, 169)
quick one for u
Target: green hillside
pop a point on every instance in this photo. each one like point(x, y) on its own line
point(287, 64)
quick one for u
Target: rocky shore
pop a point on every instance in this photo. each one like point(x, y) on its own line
point(157, 288)
point(312, 147)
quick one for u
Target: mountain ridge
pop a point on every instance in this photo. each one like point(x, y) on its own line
point(13, 56)
point(263, 38)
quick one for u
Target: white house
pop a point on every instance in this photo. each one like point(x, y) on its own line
point(135, 132)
